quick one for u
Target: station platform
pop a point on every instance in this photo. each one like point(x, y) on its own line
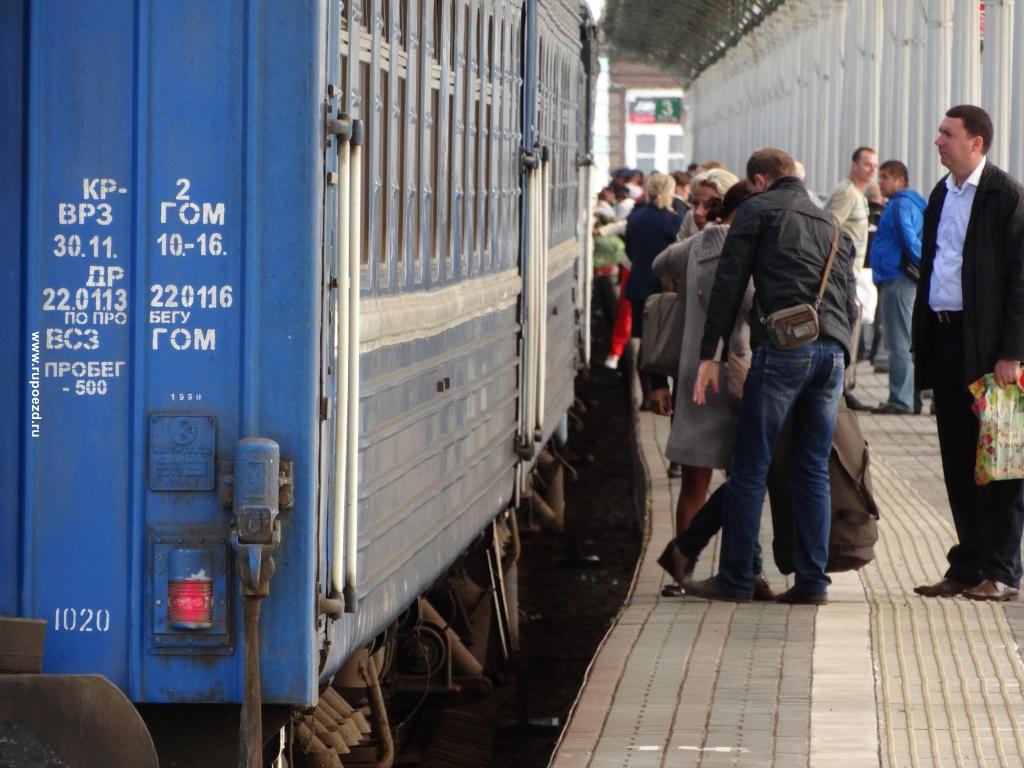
point(878, 677)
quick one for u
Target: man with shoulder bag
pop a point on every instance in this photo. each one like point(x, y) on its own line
point(895, 268)
point(800, 334)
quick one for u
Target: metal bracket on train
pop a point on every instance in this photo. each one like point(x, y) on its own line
point(346, 128)
point(256, 498)
point(585, 160)
point(524, 449)
point(285, 479)
point(340, 126)
point(530, 160)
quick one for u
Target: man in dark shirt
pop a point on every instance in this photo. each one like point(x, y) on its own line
point(782, 240)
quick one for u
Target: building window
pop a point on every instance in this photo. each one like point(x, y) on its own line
point(646, 152)
point(676, 157)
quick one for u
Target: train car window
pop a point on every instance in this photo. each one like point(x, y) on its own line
point(516, 127)
point(484, 141)
point(444, 141)
point(364, 107)
point(382, 162)
point(393, 137)
point(497, 103)
point(410, 154)
point(456, 139)
point(435, 258)
point(398, 179)
point(453, 272)
point(376, 128)
point(438, 161)
point(472, 59)
point(426, 134)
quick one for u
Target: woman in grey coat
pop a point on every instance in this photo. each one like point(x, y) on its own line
point(702, 438)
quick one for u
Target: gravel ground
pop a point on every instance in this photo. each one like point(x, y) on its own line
point(566, 607)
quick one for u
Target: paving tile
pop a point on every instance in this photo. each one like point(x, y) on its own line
point(875, 678)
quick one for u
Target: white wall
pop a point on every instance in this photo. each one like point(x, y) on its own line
point(820, 77)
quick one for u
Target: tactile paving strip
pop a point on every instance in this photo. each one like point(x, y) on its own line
point(948, 673)
point(688, 683)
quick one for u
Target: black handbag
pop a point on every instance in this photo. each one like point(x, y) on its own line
point(908, 266)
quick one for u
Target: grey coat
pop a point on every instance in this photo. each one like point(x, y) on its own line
point(701, 435)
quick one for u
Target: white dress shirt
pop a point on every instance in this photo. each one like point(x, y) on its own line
point(945, 293)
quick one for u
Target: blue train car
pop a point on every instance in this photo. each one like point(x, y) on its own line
point(300, 282)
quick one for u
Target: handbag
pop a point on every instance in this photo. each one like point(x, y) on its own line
point(662, 337)
point(736, 369)
point(798, 325)
point(1000, 411)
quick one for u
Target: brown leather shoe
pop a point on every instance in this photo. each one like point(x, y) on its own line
point(942, 588)
point(763, 591)
point(712, 589)
point(992, 590)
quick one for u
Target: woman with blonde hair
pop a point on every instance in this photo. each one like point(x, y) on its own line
point(650, 228)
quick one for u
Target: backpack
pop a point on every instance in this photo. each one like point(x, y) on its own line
point(854, 529)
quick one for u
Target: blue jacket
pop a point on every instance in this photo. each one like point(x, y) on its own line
point(899, 228)
point(649, 231)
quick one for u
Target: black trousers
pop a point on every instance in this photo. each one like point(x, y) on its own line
point(989, 519)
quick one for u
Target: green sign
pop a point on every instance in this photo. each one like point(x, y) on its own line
point(656, 109)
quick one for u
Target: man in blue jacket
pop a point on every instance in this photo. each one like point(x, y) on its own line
point(895, 260)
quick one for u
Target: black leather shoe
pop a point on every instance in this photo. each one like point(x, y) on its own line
point(673, 590)
point(854, 404)
point(942, 588)
point(794, 596)
point(712, 589)
point(675, 563)
point(890, 409)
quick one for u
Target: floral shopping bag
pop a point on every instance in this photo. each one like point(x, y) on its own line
point(1000, 413)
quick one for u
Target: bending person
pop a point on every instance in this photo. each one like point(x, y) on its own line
point(702, 437)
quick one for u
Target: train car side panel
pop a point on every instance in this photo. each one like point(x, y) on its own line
point(171, 257)
point(19, 387)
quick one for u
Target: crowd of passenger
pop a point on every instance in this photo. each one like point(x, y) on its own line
point(759, 297)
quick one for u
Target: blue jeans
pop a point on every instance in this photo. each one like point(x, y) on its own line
point(896, 303)
point(809, 382)
point(703, 528)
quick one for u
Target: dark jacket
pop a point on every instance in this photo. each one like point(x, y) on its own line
point(992, 278)
point(649, 231)
point(782, 239)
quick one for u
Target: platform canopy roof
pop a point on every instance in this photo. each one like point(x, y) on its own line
point(684, 37)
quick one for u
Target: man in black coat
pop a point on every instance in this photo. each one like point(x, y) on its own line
point(969, 321)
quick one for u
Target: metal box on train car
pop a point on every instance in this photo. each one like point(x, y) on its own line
point(161, 299)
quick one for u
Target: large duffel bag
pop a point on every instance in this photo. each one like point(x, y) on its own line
point(854, 530)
